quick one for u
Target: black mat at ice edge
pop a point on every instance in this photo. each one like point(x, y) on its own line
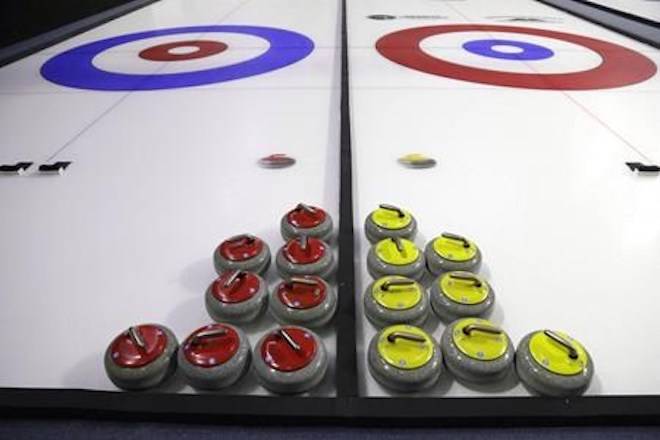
point(23, 19)
point(96, 430)
point(637, 28)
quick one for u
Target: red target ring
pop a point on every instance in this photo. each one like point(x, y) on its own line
point(620, 66)
point(163, 52)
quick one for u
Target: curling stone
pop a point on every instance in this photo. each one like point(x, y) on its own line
point(236, 296)
point(417, 160)
point(308, 301)
point(214, 356)
point(396, 300)
point(554, 364)
point(404, 358)
point(290, 360)
point(141, 357)
point(477, 351)
point(306, 220)
point(305, 256)
point(390, 221)
point(450, 252)
point(461, 294)
point(395, 256)
point(242, 252)
point(277, 160)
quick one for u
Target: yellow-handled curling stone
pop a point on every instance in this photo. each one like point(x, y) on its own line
point(390, 221)
point(459, 294)
point(141, 357)
point(404, 358)
point(450, 252)
point(417, 160)
point(396, 300)
point(477, 351)
point(395, 256)
point(554, 364)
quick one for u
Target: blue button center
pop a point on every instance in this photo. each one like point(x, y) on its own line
point(508, 50)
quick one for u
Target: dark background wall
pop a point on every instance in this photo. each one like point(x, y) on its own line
point(22, 19)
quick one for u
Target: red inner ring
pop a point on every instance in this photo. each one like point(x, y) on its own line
point(279, 355)
point(241, 249)
point(211, 351)
point(242, 289)
point(205, 48)
point(128, 355)
point(301, 296)
point(620, 66)
point(301, 218)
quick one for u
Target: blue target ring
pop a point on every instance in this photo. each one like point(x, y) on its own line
point(75, 68)
point(528, 51)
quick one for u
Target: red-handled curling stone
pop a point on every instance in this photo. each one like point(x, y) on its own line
point(290, 360)
point(141, 357)
point(242, 252)
point(277, 160)
point(236, 296)
point(305, 256)
point(307, 220)
point(307, 301)
point(214, 356)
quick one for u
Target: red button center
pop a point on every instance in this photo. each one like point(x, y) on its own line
point(241, 248)
point(302, 296)
point(304, 218)
point(213, 350)
point(166, 52)
point(243, 287)
point(278, 354)
point(126, 353)
point(313, 252)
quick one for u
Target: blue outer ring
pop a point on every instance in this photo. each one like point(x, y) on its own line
point(74, 68)
point(530, 52)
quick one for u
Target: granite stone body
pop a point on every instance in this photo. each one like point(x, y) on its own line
point(474, 370)
point(148, 376)
point(376, 233)
point(380, 316)
point(401, 379)
point(220, 376)
point(239, 312)
point(449, 310)
point(258, 264)
point(291, 382)
point(546, 382)
point(438, 265)
point(378, 268)
point(313, 317)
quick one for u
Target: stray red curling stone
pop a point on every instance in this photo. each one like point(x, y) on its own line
point(277, 160)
